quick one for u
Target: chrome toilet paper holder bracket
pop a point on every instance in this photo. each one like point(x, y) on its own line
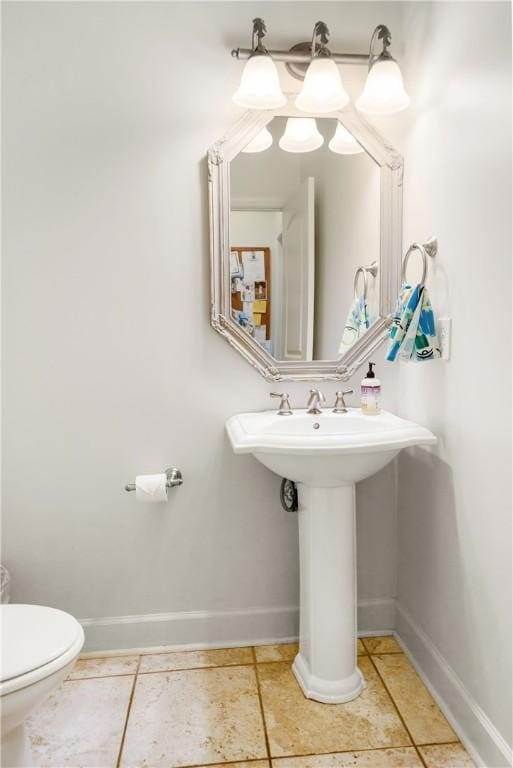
point(173, 475)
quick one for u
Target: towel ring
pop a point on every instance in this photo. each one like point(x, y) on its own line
point(372, 269)
point(426, 249)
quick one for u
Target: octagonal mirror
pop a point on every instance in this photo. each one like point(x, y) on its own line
point(305, 220)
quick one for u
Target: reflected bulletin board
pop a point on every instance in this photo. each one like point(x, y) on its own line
point(253, 278)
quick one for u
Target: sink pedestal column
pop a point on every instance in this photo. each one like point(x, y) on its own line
point(325, 666)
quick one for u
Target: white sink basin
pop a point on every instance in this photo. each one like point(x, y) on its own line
point(326, 455)
point(327, 450)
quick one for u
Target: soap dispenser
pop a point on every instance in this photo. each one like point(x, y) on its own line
point(371, 392)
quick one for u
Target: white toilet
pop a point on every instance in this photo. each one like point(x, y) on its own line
point(39, 647)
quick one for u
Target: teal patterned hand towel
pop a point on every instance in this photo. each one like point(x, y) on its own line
point(413, 332)
point(357, 322)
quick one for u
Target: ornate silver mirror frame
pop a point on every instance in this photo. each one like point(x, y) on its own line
point(391, 171)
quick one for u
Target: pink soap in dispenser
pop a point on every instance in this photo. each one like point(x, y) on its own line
point(371, 393)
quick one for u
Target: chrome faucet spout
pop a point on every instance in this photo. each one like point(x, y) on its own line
point(315, 401)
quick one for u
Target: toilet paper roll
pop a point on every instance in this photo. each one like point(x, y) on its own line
point(151, 488)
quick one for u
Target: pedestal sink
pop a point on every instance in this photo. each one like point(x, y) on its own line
point(326, 455)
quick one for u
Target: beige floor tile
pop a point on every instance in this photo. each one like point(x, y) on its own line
point(104, 667)
point(299, 726)
point(422, 716)
point(192, 717)
point(251, 764)
point(385, 644)
point(287, 651)
point(446, 756)
point(280, 652)
point(218, 657)
point(81, 724)
point(404, 757)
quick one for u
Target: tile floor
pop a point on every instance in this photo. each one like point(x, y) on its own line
point(240, 708)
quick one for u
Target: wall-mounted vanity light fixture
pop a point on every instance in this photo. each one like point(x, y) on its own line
point(314, 63)
point(384, 90)
point(322, 89)
point(259, 85)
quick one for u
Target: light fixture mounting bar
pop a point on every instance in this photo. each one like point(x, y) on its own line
point(303, 56)
point(299, 57)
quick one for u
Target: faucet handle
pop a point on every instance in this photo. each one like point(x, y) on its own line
point(340, 403)
point(284, 409)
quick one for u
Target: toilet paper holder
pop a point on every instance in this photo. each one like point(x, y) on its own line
point(174, 477)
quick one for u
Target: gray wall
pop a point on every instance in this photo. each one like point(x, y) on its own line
point(110, 366)
point(455, 575)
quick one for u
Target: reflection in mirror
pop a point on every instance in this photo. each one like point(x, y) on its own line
point(305, 239)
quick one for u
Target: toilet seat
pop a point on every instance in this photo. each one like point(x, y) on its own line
point(36, 641)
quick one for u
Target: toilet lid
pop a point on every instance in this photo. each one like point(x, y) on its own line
point(32, 636)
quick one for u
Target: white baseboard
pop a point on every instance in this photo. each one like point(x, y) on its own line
point(474, 728)
point(193, 630)
point(197, 630)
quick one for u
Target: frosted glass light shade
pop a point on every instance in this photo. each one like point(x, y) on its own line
point(344, 143)
point(259, 85)
point(261, 142)
point(301, 135)
point(322, 89)
point(384, 90)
